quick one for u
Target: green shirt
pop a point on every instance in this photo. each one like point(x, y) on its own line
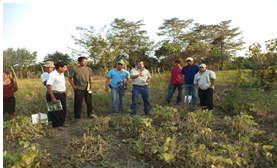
point(80, 77)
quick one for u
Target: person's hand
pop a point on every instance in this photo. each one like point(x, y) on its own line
point(126, 83)
point(74, 87)
point(182, 86)
point(148, 80)
point(107, 88)
point(140, 74)
point(54, 100)
point(65, 94)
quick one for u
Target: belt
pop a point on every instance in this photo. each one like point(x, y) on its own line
point(140, 85)
point(54, 91)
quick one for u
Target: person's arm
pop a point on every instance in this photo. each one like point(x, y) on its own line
point(44, 83)
point(71, 82)
point(107, 83)
point(15, 87)
point(135, 76)
point(90, 83)
point(49, 90)
point(213, 83)
point(127, 82)
point(183, 80)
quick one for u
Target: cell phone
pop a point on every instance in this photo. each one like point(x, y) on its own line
point(110, 86)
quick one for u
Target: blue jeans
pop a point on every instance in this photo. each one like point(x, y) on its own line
point(171, 91)
point(190, 89)
point(121, 93)
point(145, 96)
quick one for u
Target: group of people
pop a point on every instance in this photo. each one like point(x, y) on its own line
point(80, 78)
point(195, 79)
point(198, 81)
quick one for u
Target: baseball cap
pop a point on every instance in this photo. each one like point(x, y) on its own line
point(202, 65)
point(120, 62)
point(189, 59)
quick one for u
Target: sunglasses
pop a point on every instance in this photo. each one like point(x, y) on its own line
point(201, 67)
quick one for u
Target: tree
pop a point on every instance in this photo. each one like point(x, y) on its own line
point(8, 58)
point(131, 38)
point(173, 29)
point(20, 58)
point(264, 65)
point(92, 43)
point(58, 56)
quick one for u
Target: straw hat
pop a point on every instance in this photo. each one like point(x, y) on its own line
point(49, 64)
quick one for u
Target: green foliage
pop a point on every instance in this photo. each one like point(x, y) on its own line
point(22, 128)
point(20, 59)
point(264, 65)
point(58, 56)
point(253, 101)
point(29, 157)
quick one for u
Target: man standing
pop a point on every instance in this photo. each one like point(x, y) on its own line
point(188, 73)
point(175, 82)
point(49, 67)
point(82, 86)
point(140, 79)
point(204, 81)
point(56, 89)
point(118, 85)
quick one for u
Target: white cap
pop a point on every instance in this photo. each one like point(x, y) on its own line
point(189, 59)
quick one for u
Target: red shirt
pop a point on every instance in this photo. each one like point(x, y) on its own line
point(8, 90)
point(176, 75)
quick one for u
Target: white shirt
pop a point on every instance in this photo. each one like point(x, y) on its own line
point(44, 77)
point(141, 80)
point(57, 81)
point(202, 80)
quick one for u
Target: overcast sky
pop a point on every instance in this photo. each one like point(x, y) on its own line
point(47, 26)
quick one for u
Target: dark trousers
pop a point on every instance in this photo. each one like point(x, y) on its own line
point(58, 117)
point(78, 101)
point(206, 98)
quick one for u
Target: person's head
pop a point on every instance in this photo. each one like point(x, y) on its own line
point(178, 63)
point(202, 67)
point(6, 74)
point(61, 66)
point(49, 66)
point(119, 65)
point(82, 61)
point(139, 64)
point(189, 61)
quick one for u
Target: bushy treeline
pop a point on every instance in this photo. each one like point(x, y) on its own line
point(215, 45)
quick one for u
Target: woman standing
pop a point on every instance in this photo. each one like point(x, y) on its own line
point(9, 87)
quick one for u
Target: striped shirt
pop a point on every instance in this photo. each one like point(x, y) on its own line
point(8, 90)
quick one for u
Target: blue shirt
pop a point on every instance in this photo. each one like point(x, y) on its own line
point(117, 77)
point(189, 73)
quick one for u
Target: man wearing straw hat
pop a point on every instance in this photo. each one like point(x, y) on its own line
point(49, 67)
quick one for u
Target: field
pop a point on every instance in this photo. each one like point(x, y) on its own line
point(240, 132)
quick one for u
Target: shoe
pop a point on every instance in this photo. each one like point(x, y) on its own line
point(77, 120)
point(195, 108)
point(64, 125)
point(149, 114)
point(60, 128)
point(177, 103)
point(168, 102)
